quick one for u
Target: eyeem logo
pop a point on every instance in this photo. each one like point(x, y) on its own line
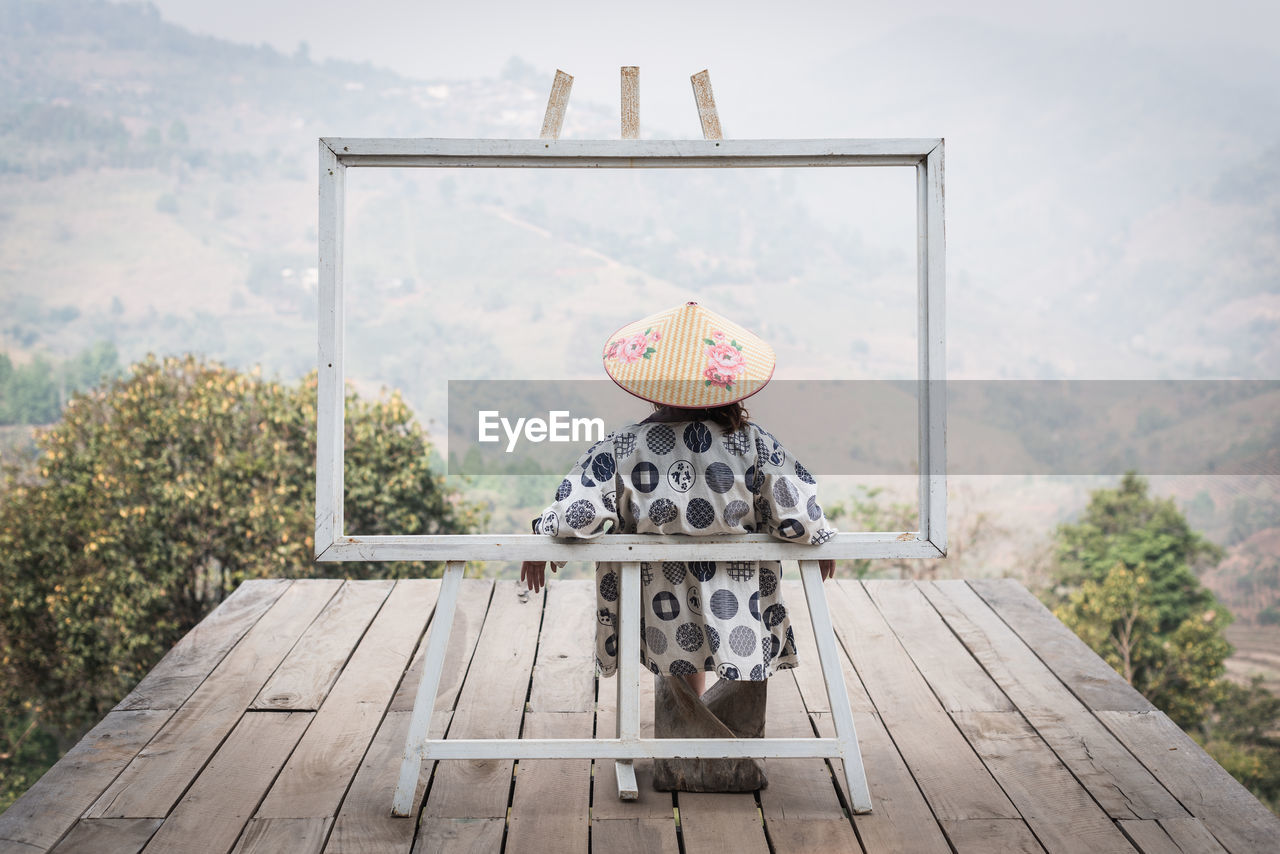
point(558, 427)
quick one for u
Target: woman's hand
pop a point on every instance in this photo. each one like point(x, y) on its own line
point(828, 568)
point(534, 574)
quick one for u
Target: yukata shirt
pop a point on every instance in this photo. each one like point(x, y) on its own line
point(687, 477)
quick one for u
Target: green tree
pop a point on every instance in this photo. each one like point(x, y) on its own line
point(1243, 734)
point(1178, 671)
point(1126, 525)
point(159, 492)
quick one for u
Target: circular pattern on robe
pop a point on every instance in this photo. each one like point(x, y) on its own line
point(661, 439)
point(644, 477)
point(700, 513)
point(673, 570)
point(785, 493)
point(754, 478)
point(609, 587)
point(697, 437)
point(735, 511)
point(709, 663)
point(821, 537)
point(607, 498)
point(791, 529)
point(719, 477)
point(803, 473)
point(774, 615)
point(624, 445)
point(724, 604)
point(768, 581)
point(681, 475)
point(713, 638)
point(550, 524)
point(663, 511)
point(789, 646)
point(768, 647)
point(742, 640)
point(695, 601)
point(680, 667)
point(602, 467)
point(656, 640)
point(563, 490)
point(728, 671)
point(586, 475)
point(611, 644)
point(653, 668)
point(689, 636)
point(757, 673)
point(665, 605)
point(813, 508)
point(753, 605)
point(580, 513)
point(703, 570)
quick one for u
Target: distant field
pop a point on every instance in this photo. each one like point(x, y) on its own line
point(1257, 651)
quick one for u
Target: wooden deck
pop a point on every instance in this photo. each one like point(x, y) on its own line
point(277, 724)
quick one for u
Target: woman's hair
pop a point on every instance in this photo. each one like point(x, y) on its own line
point(730, 418)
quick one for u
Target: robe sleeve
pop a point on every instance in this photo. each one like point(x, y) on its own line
point(585, 502)
point(786, 495)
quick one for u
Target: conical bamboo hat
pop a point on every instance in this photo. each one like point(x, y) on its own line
point(689, 357)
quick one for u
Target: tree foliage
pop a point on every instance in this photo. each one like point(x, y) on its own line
point(1178, 671)
point(158, 493)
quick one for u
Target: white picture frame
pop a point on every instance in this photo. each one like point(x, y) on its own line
point(337, 154)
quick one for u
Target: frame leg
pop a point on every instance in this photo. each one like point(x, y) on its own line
point(628, 633)
point(433, 662)
point(837, 691)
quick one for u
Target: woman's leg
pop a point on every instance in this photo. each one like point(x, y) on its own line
point(697, 681)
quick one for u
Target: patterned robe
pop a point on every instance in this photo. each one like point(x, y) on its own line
point(687, 477)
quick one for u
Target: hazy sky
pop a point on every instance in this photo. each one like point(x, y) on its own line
point(754, 49)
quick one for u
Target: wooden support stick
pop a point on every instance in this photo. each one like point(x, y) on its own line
point(630, 102)
point(557, 102)
point(706, 105)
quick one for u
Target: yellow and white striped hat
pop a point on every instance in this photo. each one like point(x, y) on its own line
point(689, 357)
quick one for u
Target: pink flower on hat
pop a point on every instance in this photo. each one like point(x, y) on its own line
point(725, 360)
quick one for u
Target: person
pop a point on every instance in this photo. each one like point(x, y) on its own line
point(696, 466)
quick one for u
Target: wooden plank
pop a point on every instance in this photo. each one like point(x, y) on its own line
point(193, 658)
point(605, 803)
point(477, 835)
point(114, 835)
point(955, 676)
point(1233, 815)
point(314, 781)
point(564, 675)
point(473, 602)
point(900, 819)
point(708, 819)
point(1054, 804)
point(953, 779)
point(551, 804)
point(801, 809)
point(1117, 781)
point(1171, 836)
point(987, 835)
point(155, 780)
point(49, 808)
point(276, 835)
point(491, 705)
point(365, 824)
point(706, 102)
point(630, 102)
point(1090, 678)
point(634, 835)
point(304, 678)
point(557, 103)
point(213, 812)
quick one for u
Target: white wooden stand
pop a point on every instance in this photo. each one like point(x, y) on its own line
point(627, 745)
